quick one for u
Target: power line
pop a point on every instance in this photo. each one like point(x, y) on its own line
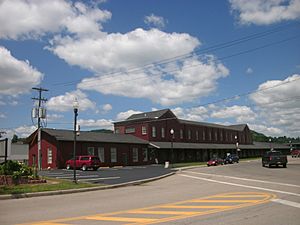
point(194, 53)
point(92, 80)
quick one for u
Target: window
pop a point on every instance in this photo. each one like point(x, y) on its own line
point(113, 155)
point(216, 135)
point(117, 130)
point(145, 154)
point(153, 131)
point(181, 134)
point(49, 154)
point(129, 130)
point(135, 155)
point(221, 136)
point(90, 151)
point(209, 134)
point(144, 130)
point(197, 135)
point(163, 132)
point(203, 135)
point(189, 134)
point(101, 154)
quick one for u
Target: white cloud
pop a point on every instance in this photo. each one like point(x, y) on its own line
point(154, 20)
point(33, 19)
point(262, 12)
point(107, 107)
point(278, 104)
point(124, 115)
point(54, 117)
point(199, 114)
point(116, 51)
point(191, 80)
point(2, 116)
point(268, 131)
point(17, 76)
point(22, 131)
point(242, 114)
point(249, 70)
point(97, 124)
point(63, 103)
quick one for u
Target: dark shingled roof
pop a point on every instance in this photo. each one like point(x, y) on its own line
point(184, 145)
point(149, 115)
point(239, 127)
point(88, 136)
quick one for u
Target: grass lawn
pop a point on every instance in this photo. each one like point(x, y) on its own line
point(178, 165)
point(51, 185)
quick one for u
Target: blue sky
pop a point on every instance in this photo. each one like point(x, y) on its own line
point(226, 62)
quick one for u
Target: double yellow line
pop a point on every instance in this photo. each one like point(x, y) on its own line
point(174, 211)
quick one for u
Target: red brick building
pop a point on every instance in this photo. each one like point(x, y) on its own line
point(191, 141)
point(112, 149)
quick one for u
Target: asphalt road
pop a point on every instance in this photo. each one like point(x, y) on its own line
point(244, 193)
point(110, 176)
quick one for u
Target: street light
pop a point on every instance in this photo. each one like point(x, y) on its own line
point(270, 140)
point(172, 139)
point(236, 144)
point(75, 107)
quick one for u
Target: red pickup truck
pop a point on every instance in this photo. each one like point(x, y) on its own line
point(84, 162)
point(295, 153)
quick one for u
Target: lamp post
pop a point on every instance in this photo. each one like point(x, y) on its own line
point(236, 144)
point(270, 140)
point(172, 139)
point(75, 107)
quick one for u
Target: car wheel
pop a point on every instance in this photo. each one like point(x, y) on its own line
point(84, 167)
point(95, 168)
point(263, 165)
point(68, 166)
point(284, 165)
point(270, 166)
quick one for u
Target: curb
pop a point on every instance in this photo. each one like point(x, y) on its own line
point(71, 191)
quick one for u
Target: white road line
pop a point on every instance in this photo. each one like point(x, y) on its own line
point(285, 202)
point(66, 177)
point(245, 179)
point(102, 178)
point(241, 185)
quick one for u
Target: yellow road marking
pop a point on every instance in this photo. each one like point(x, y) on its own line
point(161, 212)
point(222, 201)
point(239, 196)
point(172, 215)
point(121, 219)
point(196, 206)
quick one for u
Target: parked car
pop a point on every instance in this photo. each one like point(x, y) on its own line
point(215, 161)
point(231, 159)
point(295, 153)
point(274, 158)
point(84, 162)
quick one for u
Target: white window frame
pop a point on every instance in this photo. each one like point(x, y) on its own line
point(181, 134)
point(144, 130)
point(101, 154)
point(189, 134)
point(113, 155)
point(91, 151)
point(154, 131)
point(163, 134)
point(49, 156)
point(135, 154)
point(145, 155)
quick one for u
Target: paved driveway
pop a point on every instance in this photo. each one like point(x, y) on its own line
point(110, 176)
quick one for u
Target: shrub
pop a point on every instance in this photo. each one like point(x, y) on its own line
point(15, 169)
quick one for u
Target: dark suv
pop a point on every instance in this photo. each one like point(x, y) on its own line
point(231, 159)
point(84, 162)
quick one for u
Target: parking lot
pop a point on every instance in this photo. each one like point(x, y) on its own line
point(109, 176)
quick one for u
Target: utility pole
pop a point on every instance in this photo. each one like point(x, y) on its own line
point(39, 113)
